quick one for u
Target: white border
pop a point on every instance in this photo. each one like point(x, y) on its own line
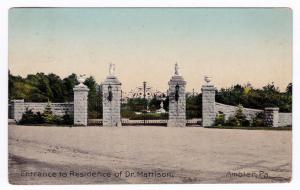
point(4, 6)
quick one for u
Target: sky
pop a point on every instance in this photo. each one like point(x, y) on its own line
point(232, 45)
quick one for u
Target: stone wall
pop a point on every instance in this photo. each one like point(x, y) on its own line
point(285, 119)
point(229, 110)
point(19, 107)
point(56, 108)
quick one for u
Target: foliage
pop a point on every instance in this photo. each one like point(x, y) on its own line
point(154, 104)
point(67, 119)
point(129, 114)
point(166, 104)
point(220, 119)
point(136, 104)
point(194, 106)
point(46, 117)
point(41, 88)
point(149, 116)
point(289, 89)
point(258, 120)
point(126, 113)
point(285, 128)
point(94, 98)
point(31, 118)
point(239, 118)
point(268, 96)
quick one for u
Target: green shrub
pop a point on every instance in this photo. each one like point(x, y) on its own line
point(239, 118)
point(31, 118)
point(150, 116)
point(67, 119)
point(94, 114)
point(245, 123)
point(127, 113)
point(46, 118)
point(232, 121)
point(258, 120)
point(220, 119)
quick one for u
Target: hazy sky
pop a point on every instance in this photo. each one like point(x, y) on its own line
point(233, 45)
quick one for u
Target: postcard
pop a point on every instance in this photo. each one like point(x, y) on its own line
point(149, 95)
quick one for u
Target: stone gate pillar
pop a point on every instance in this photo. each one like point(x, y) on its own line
point(271, 117)
point(208, 104)
point(81, 103)
point(18, 109)
point(177, 101)
point(111, 100)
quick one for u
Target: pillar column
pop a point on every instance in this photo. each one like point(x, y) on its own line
point(81, 104)
point(111, 100)
point(18, 109)
point(208, 104)
point(271, 117)
point(177, 100)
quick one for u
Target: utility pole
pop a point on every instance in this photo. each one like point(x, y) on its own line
point(144, 112)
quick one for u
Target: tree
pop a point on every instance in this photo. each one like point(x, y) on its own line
point(94, 98)
point(289, 89)
point(154, 104)
point(136, 104)
point(56, 86)
point(194, 106)
point(268, 96)
point(68, 85)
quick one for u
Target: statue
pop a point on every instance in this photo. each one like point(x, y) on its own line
point(161, 104)
point(161, 109)
point(112, 69)
point(207, 79)
point(177, 69)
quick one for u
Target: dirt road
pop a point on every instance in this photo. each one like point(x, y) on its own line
point(88, 155)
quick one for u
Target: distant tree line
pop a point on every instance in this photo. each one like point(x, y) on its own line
point(42, 87)
point(250, 97)
point(50, 87)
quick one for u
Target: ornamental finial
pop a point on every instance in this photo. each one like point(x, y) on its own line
point(207, 79)
point(81, 79)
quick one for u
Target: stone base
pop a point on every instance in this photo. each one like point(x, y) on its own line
point(118, 124)
point(176, 123)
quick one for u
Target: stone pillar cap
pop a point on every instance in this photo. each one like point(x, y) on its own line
point(177, 79)
point(81, 87)
point(208, 87)
point(18, 100)
point(272, 109)
point(111, 80)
